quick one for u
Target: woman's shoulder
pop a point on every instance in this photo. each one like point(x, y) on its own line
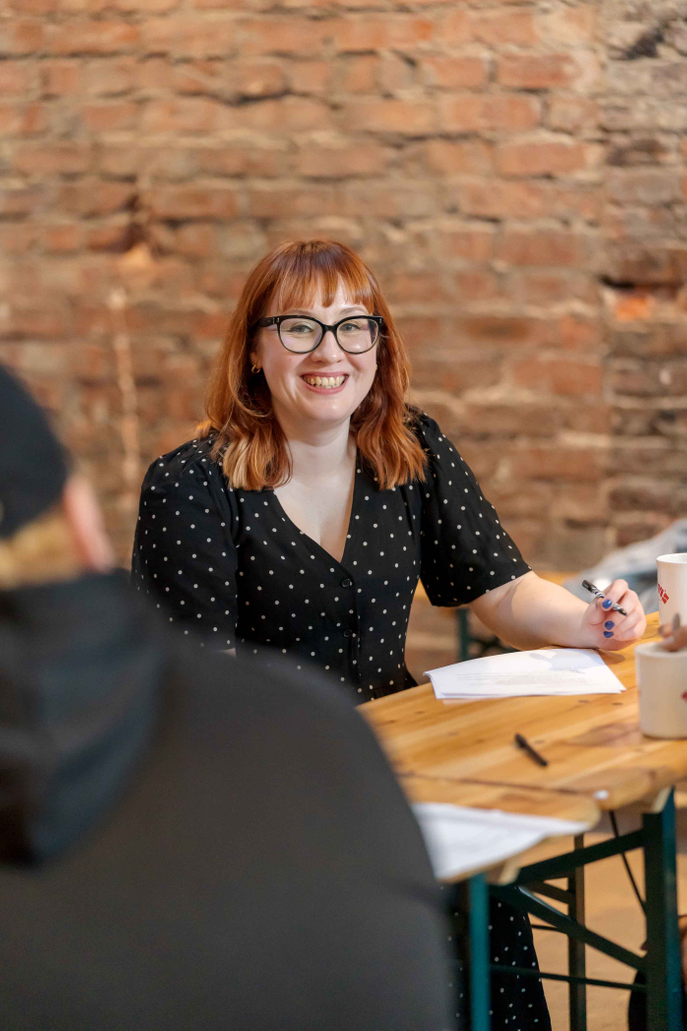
point(425, 428)
point(192, 459)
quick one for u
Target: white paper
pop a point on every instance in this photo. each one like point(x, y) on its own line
point(459, 839)
point(546, 671)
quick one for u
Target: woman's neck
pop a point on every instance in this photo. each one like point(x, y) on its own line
point(320, 453)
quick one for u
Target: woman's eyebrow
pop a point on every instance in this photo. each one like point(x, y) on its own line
point(307, 311)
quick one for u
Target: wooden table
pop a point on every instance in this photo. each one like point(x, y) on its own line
point(463, 753)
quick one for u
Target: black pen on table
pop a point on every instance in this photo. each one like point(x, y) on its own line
point(523, 743)
point(600, 594)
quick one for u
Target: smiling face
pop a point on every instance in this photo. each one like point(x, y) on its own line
point(323, 387)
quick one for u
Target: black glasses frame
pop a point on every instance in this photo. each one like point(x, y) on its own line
point(276, 320)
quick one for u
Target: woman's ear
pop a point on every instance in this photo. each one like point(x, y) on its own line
point(85, 522)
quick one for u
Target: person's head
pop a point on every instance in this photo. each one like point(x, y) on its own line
point(276, 377)
point(50, 524)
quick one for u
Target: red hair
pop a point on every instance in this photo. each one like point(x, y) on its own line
point(250, 442)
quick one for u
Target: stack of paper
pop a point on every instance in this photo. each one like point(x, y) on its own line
point(459, 839)
point(547, 671)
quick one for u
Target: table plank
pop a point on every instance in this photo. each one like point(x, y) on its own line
point(455, 751)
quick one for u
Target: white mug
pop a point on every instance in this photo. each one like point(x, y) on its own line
point(662, 684)
point(672, 587)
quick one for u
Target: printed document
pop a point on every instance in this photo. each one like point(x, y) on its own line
point(546, 671)
point(460, 840)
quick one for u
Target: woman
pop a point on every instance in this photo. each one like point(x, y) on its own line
point(314, 498)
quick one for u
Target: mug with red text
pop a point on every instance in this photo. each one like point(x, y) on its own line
point(662, 684)
point(672, 587)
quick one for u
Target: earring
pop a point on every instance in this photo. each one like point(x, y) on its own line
point(255, 369)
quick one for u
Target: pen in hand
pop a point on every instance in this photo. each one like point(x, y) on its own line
point(523, 743)
point(600, 594)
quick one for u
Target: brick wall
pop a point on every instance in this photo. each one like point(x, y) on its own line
point(513, 170)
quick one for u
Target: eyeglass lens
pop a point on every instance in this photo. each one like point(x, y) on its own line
point(354, 335)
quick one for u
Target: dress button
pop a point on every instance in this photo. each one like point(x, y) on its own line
point(346, 583)
point(347, 633)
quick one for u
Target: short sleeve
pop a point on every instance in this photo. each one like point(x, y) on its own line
point(184, 557)
point(465, 551)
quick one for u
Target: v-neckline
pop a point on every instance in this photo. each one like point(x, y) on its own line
point(357, 473)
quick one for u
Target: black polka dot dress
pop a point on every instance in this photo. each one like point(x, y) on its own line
point(229, 567)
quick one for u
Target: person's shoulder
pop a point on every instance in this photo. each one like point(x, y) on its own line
point(425, 428)
point(191, 459)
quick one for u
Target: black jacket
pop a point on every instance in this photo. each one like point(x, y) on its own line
point(234, 851)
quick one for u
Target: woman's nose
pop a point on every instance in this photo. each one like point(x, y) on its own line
point(328, 350)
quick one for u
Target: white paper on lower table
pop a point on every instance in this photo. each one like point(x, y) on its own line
point(459, 839)
point(546, 671)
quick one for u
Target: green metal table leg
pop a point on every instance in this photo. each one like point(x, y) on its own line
point(577, 999)
point(480, 976)
point(664, 988)
point(463, 628)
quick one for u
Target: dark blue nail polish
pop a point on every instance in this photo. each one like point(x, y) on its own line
point(606, 603)
point(608, 633)
point(609, 624)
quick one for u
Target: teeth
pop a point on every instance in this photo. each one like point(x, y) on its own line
point(324, 381)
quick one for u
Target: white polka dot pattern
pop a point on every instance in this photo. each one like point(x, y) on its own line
point(230, 567)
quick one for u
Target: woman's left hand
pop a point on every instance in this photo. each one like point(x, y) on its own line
point(611, 630)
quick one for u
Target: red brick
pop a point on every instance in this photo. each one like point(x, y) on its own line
point(178, 202)
point(575, 333)
point(290, 201)
point(15, 79)
point(551, 287)
point(380, 32)
point(492, 198)
point(189, 37)
point(108, 238)
point(51, 159)
point(93, 197)
point(408, 287)
point(21, 201)
point(558, 463)
point(340, 162)
point(112, 76)
point(60, 77)
point(21, 37)
point(532, 71)
point(309, 76)
point(286, 115)
point(109, 117)
point(488, 112)
point(35, 7)
point(561, 376)
point(358, 75)
point(476, 286)
point(94, 37)
point(572, 114)
point(18, 238)
point(196, 240)
point(510, 420)
point(471, 244)
point(409, 117)
point(430, 367)
point(493, 28)
point(543, 247)
point(454, 158)
point(291, 35)
point(232, 160)
point(63, 239)
point(544, 157)
point(22, 119)
point(455, 72)
point(497, 330)
point(182, 115)
point(258, 78)
point(645, 185)
point(569, 25)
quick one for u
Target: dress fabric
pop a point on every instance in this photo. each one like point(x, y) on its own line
point(229, 567)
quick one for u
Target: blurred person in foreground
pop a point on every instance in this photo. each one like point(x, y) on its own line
point(186, 841)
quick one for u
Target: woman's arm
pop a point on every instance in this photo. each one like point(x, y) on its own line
point(530, 612)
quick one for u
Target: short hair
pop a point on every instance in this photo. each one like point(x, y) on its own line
point(41, 551)
point(249, 441)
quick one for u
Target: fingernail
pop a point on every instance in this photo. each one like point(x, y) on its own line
point(609, 624)
point(608, 633)
point(606, 603)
